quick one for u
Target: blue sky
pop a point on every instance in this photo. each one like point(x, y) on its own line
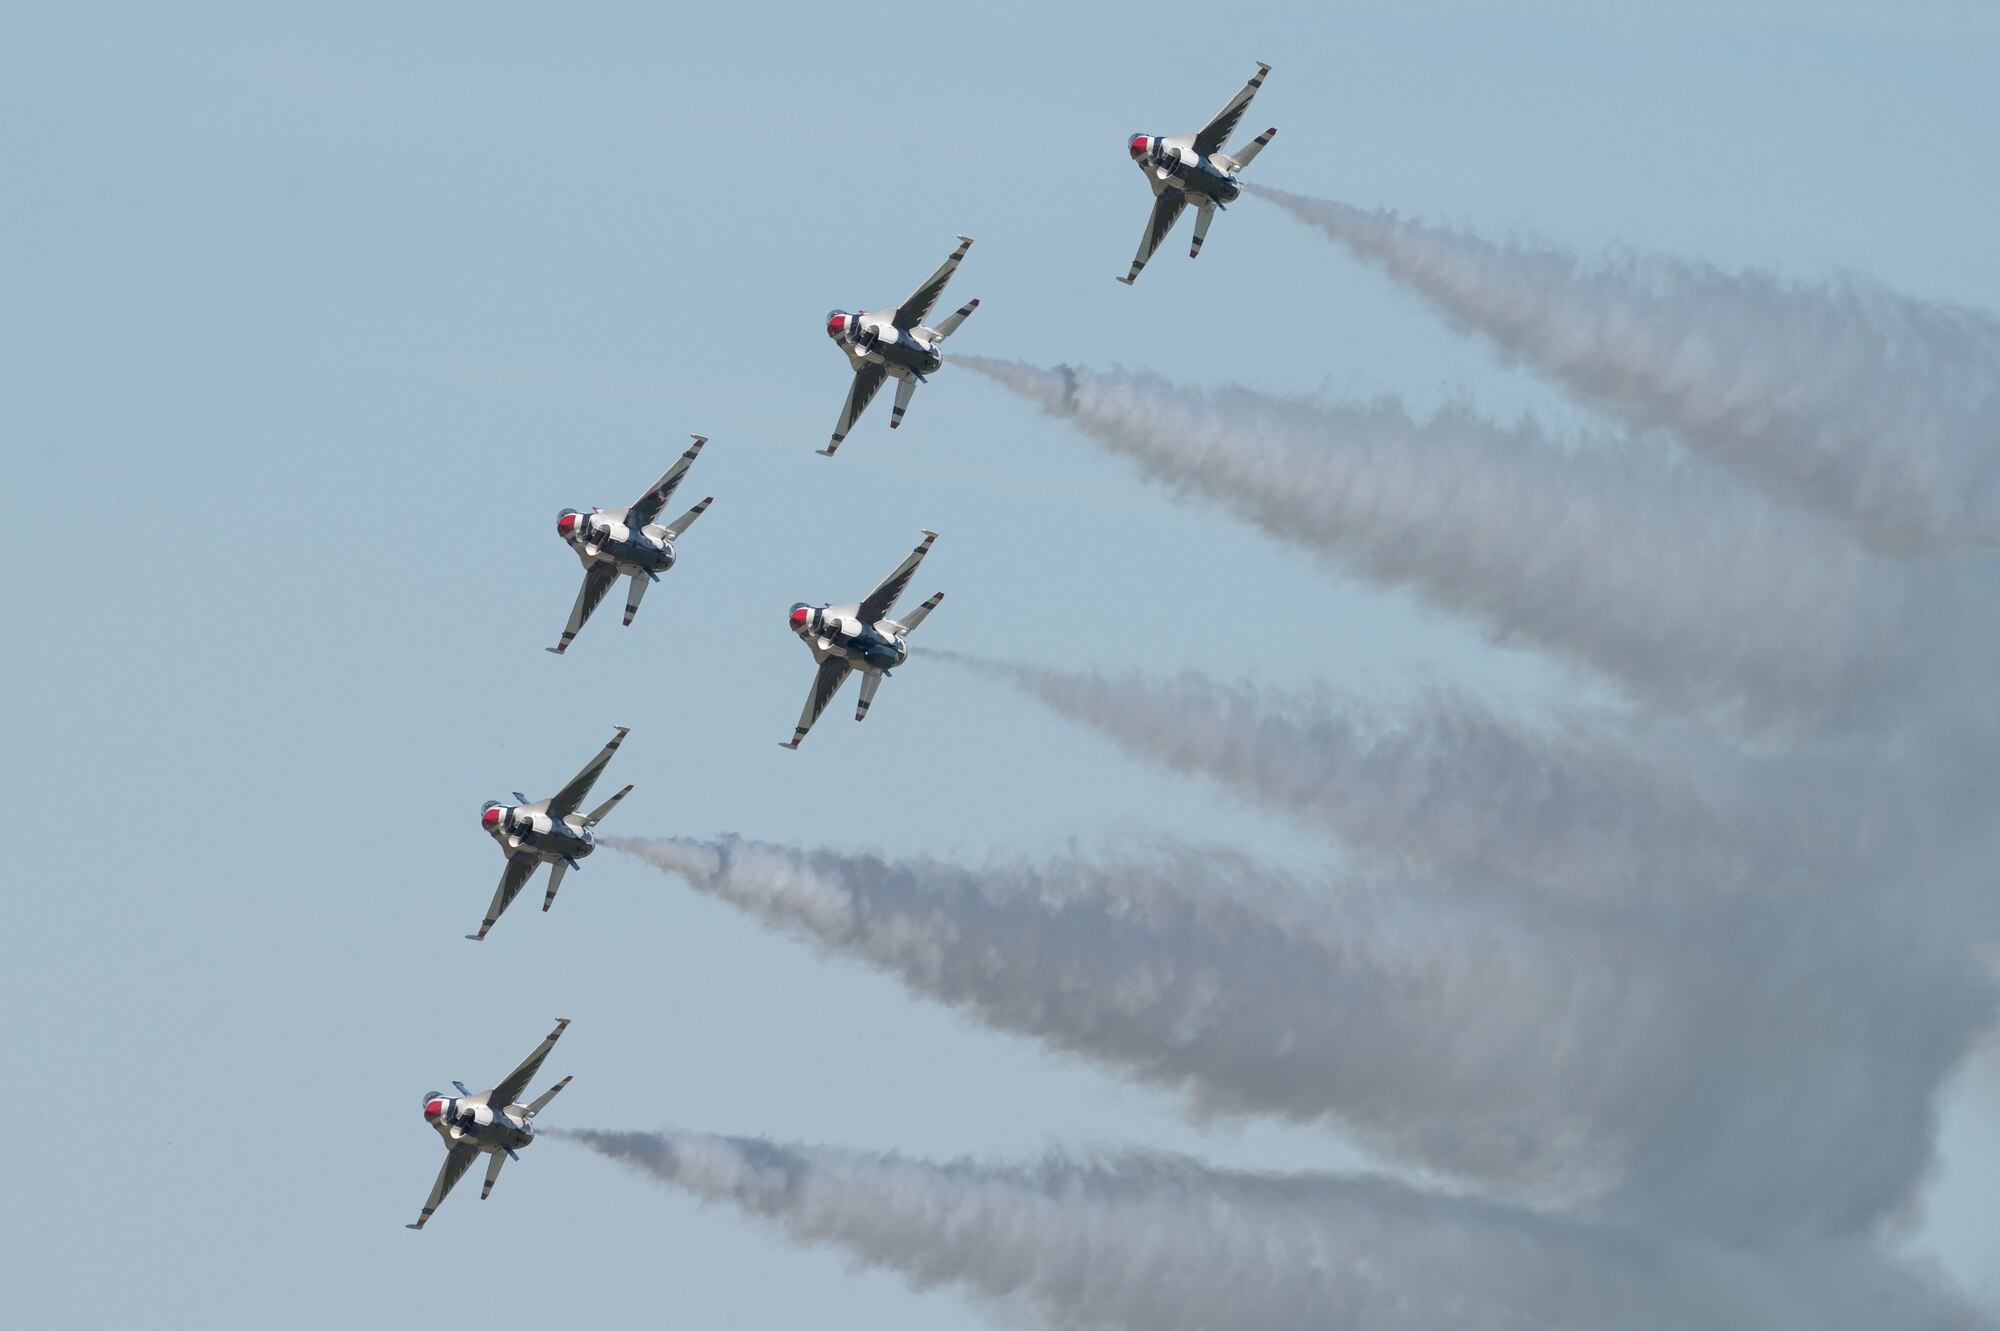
point(318, 317)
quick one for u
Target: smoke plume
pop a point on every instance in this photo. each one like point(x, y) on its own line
point(1687, 591)
point(1880, 411)
point(1160, 1243)
point(1628, 1058)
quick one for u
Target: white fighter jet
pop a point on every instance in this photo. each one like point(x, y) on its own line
point(1192, 168)
point(858, 636)
point(894, 342)
point(626, 542)
point(473, 1122)
point(548, 831)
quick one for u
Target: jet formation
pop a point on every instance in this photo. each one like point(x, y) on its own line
point(861, 636)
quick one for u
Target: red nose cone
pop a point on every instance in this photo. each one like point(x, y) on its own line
point(490, 819)
point(566, 523)
point(835, 324)
point(800, 617)
point(1137, 147)
point(434, 1109)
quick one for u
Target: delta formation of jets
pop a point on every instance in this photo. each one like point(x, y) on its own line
point(858, 636)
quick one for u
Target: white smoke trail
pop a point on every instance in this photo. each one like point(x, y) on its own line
point(1612, 807)
point(1686, 590)
point(1155, 1243)
point(1876, 409)
point(1695, 1068)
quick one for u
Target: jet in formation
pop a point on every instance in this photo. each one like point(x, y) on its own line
point(896, 343)
point(473, 1122)
point(625, 542)
point(1192, 168)
point(549, 831)
point(858, 636)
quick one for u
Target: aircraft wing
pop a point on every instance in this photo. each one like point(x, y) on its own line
point(1166, 211)
point(597, 580)
point(867, 383)
point(565, 801)
point(878, 603)
point(1217, 131)
point(456, 1162)
point(510, 1088)
point(832, 674)
point(648, 507)
point(520, 868)
point(917, 308)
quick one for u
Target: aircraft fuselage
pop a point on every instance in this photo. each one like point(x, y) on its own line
point(466, 1119)
point(641, 550)
point(520, 830)
point(1170, 166)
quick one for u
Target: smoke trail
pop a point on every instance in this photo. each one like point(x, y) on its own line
point(1156, 1243)
point(1459, 789)
point(1688, 591)
point(1879, 410)
point(1699, 1068)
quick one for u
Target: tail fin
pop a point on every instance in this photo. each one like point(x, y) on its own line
point(680, 524)
point(596, 815)
point(542, 1100)
point(916, 617)
point(949, 324)
point(1248, 152)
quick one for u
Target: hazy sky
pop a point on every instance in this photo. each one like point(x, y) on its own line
point(315, 320)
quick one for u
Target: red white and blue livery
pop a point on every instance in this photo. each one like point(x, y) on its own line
point(552, 831)
point(626, 542)
point(490, 1123)
point(861, 636)
point(886, 344)
point(1192, 169)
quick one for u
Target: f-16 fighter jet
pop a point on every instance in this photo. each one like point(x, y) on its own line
point(626, 542)
point(548, 831)
point(473, 1122)
point(858, 636)
point(894, 342)
point(1192, 168)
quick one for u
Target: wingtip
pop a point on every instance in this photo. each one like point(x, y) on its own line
point(476, 938)
point(553, 651)
point(1129, 280)
point(788, 744)
point(824, 452)
point(699, 439)
point(1263, 68)
point(928, 533)
point(965, 240)
point(418, 1225)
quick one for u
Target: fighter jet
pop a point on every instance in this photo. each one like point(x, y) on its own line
point(894, 342)
point(489, 1121)
point(548, 831)
point(625, 542)
point(858, 636)
point(1192, 168)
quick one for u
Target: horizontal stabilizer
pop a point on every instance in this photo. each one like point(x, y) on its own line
point(596, 815)
point(1248, 152)
point(686, 520)
point(949, 324)
point(916, 617)
point(542, 1100)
